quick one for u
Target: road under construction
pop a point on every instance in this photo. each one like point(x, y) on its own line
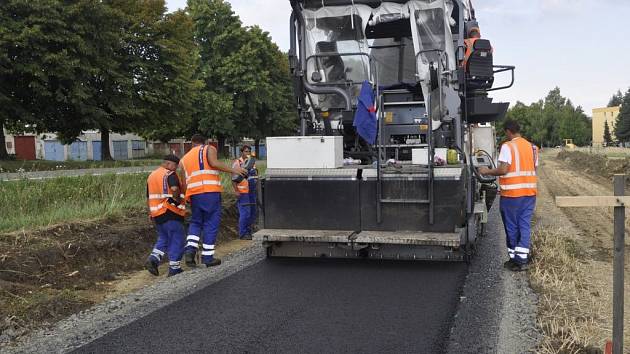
point(332, 305)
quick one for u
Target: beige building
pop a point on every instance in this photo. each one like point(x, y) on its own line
point(601, 115)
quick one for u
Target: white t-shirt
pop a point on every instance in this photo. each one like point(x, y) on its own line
point(505, 155)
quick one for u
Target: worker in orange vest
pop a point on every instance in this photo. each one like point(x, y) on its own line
point(518, 160)
point(167, 209)
point(202, 169)
point(473, 35)
point(243, 194)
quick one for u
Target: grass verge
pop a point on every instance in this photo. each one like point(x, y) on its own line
point(43, 165)
point(568, 312)
point(29, 204)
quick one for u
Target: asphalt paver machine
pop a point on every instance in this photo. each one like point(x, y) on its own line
point(414, 193)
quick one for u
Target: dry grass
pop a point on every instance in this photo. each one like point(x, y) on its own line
point(568, 310)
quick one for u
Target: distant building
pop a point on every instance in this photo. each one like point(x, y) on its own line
point(87, 146)
point(601, 115)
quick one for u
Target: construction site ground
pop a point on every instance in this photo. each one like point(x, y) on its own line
point(48, 274)
point(573, 254)
point(252, 304)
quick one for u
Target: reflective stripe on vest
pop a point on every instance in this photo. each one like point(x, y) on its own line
point(200, 176)
point(520, 181)
point(157, 185)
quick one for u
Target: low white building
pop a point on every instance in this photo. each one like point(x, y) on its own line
point(87, 146)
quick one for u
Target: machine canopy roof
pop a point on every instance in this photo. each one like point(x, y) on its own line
point(316, 4)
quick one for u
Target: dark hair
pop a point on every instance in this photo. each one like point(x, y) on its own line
point(198, 139)
point(512, 126)
point(246, 147)
point(171, 158)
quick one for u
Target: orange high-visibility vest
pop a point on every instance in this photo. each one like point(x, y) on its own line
point(468, 44)
point(520, 180)
point(200, 176)
point(159, 192)
point(243, 186)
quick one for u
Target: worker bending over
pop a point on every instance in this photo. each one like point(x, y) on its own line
point(203, 190)
point(167, 210)
point(243, 194)
point(518, 160)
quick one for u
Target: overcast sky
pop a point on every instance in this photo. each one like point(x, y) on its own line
point(582, 46)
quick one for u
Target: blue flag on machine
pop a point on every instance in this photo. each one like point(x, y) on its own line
point(365, 117)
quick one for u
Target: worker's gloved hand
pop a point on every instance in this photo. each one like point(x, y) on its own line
point(240, 171)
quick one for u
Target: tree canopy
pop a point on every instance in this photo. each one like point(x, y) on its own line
point(129, 66)
point(622, 126)
point(552, 119)
point(616, 99)
point(607, 136)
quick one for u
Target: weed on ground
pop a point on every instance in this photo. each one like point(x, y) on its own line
point(568, 311)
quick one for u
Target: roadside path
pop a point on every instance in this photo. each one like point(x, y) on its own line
point(39, 175)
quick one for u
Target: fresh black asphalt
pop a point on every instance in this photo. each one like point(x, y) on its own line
point(305, 306)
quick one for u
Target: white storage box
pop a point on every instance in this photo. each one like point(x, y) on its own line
point(421, 156)
point(304, 152)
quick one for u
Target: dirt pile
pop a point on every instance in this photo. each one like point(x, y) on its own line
point(48, 274)
point(594, 164)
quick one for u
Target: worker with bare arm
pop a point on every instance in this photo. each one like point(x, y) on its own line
point(518, 160)
point(167, 209)
point(203, 190)
point(241, 188)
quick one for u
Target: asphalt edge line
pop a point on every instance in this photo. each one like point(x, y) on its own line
point(86, 326)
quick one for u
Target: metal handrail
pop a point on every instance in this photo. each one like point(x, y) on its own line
point(503, 68)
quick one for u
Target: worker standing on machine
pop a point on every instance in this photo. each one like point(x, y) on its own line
point(473, 35)
point(167, 209)
point(203, 190)
point(518, 160)
point(241, 187)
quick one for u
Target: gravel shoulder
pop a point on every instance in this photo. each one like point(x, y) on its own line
point(497, 310)
point(99, 320)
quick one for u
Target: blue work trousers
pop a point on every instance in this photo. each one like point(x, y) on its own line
point(204, 224)
point(252, 201)
point(171, 241)
point(517, 217)
point(244, 220)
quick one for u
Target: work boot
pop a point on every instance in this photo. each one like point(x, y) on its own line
point(519, 267)
point(189, 259)
point(152, 267)
point(214, 262)
point(508, 264)
point(173, 272)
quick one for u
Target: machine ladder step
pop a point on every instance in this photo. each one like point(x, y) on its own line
point(405, 201)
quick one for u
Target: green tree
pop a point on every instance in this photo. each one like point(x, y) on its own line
point(548, 121)
point(616, 99)
point(622, 126)
point(140, 69)
point(219, 35)
point(39, 67)
point(607, 136)
point(169, 87)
